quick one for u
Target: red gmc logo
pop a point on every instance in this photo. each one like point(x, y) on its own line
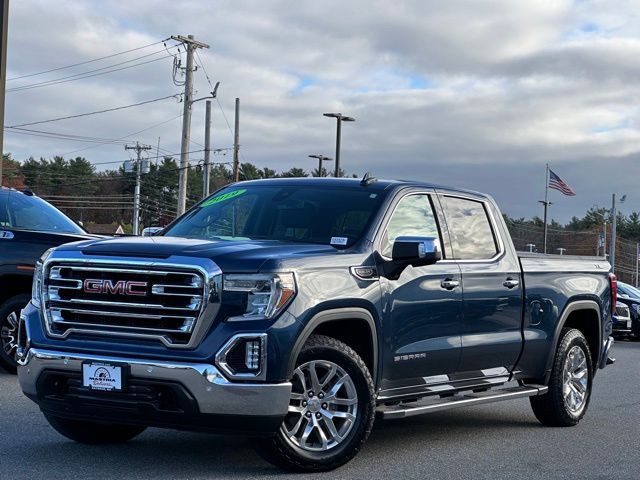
point(121, 287)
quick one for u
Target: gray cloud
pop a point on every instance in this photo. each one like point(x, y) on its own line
point(476, 94)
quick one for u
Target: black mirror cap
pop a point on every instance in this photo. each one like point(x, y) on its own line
point(416, 251)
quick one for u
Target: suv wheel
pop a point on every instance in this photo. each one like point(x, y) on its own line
point(9, 320)
point(93, 433)
point(570, 384)
point(331, 410)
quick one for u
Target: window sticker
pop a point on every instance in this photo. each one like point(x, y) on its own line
point(339, 240)
point(224, 197)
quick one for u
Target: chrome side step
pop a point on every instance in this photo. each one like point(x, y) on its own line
point(437, 404)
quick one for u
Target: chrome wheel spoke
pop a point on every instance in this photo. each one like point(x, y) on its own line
point(9, 335)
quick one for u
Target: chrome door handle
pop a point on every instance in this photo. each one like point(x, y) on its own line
point(449, 284)
point(511, 283)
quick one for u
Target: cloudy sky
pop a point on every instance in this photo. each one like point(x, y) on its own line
point(478, 94)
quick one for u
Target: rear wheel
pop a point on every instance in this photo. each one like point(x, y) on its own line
point(569, 385)
point(93, 433)
point(9, 320)
point(331, 410)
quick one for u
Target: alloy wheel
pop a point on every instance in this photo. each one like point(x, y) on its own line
point(322, 408)
point(575, 380)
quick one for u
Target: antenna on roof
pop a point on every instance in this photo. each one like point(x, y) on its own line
point(368, 179)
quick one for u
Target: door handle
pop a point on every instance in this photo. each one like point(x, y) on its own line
point(511, 283)
point(449, 284)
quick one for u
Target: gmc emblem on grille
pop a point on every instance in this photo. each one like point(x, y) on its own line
point(121, 287)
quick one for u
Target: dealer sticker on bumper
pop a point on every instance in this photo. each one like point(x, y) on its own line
point(100, 376)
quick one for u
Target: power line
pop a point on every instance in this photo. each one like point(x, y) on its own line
point(81, 76)
point(86, 62)
point(96, 112)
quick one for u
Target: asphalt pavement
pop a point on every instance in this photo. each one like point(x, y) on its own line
point(496, 441)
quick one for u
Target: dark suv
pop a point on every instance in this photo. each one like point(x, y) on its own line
point(28, 227)
point(630, 296)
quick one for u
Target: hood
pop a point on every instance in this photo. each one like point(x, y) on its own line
point(230, 256)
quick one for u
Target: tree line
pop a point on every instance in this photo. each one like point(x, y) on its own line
point(76, 186)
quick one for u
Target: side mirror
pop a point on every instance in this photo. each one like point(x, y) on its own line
point(414, 251)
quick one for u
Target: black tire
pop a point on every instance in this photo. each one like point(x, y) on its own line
point(94, 433)
point(281, 452)
point(551, 409)
point(9, 330)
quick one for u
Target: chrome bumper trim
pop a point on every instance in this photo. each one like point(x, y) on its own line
point(213, 392)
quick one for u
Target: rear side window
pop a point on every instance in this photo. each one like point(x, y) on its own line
point(469, 228)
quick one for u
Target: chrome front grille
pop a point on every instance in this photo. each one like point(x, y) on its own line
point(160, 303)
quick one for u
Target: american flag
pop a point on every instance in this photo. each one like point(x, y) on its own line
point(556, 183)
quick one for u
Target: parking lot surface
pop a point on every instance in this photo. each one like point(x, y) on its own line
point(502, 440)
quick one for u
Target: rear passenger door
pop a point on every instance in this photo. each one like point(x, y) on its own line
point(491, 287)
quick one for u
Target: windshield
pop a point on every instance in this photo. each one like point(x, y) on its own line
point(628, 290)
point(25, 212)
point(292, 213)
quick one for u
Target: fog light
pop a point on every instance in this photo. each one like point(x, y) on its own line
point(252, 355)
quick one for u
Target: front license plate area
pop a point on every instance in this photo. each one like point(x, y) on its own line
point(102, 376)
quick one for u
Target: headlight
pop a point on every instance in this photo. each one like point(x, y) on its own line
point(36, 289)
point(267, 295)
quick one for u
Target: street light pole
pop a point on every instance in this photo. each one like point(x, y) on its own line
point(321, 158)
point(339, 119)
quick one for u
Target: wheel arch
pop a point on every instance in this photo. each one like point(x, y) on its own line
point(583, 315)
point(348, 326)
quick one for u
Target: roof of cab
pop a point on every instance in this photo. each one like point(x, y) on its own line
point(378, 184)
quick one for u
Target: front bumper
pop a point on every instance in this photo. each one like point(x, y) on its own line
point(205, 399)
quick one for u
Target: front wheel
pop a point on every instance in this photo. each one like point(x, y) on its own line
point(331, 410)
point(93, 433)
point(570, 383)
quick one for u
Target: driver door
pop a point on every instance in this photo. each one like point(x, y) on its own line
point(423, 308)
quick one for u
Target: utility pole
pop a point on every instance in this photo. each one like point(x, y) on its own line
point(236, 144)
point(206, 173)
point(4, 26)
point(190, 44)
point(136, 196)
point(614, 222)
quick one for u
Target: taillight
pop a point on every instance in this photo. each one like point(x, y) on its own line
point(613, 283)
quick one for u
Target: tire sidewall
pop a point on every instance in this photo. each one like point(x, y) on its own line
point(364, 417)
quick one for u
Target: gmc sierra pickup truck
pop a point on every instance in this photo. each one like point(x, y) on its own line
point(295, 311)
point(28, 227)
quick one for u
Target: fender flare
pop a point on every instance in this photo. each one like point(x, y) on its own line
point(333, 315)
point(575, 306)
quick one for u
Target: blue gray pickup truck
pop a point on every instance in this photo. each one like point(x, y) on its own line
point(296, 311)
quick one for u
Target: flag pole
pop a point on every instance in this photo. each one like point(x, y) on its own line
point(637, 259)
point(546, 204)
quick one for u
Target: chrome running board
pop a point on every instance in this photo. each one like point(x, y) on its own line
point(437, 404)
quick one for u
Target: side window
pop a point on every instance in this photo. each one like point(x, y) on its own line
point(414, 217)
point(469, 228)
